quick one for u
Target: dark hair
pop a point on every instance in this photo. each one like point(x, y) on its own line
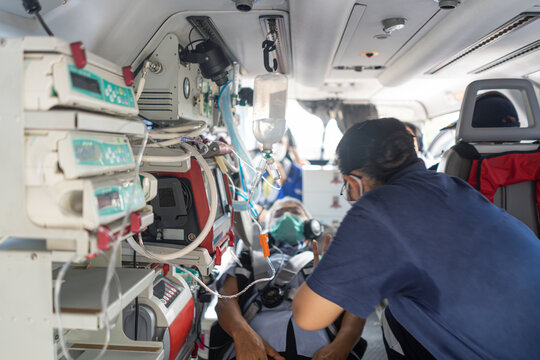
point(378, 148)
point(417, 134)
point(493, 109)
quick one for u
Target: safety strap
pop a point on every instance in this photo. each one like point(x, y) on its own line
point(282, 279)
point(285, 275)
point(290, 349)
point(260, 268)
point(293, 267)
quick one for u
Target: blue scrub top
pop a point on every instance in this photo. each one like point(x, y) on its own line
point(293, 184)
point(460, 274)
point(292, 187)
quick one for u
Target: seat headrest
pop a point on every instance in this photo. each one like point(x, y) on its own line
point(493, 117)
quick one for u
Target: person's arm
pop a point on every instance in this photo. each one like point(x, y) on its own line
point(313, 312)
point(348, 335)
point(310, 310)
point(248, 344)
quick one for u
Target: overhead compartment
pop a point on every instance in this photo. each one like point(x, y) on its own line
point(366, 47)
point(458, 32)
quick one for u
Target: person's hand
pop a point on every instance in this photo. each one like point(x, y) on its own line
point(250, 346)
point(315, 248)
point(332, 351)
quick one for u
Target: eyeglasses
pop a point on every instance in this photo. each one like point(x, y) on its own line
point(344, 189)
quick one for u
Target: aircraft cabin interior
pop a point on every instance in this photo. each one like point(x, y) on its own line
point(174, 173)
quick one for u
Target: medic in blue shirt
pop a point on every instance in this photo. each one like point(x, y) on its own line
point(461, 276)
point(288, 164)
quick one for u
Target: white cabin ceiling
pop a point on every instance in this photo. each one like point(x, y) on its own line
point(124, 31)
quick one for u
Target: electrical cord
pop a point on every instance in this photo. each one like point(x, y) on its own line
point(142, 82)
point(136, 300)
point(43, 24)
point(210, 347)
point(33, 7)
point(221, 296)
point(56, 302)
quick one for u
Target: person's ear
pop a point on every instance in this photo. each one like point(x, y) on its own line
point(354, 187)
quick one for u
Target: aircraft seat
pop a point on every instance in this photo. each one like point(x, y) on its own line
point(477, 145)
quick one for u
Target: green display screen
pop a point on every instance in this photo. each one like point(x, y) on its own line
point(85, 83)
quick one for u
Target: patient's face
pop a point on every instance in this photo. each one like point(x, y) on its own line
point(291, 208)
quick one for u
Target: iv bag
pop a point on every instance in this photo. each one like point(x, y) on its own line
point(269, 104)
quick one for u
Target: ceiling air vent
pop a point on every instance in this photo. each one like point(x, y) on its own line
point(527, 49)
point(516, 23)
point(359, 68)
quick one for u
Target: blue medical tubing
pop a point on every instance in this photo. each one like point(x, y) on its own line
point(221, 92)
point(226, 111)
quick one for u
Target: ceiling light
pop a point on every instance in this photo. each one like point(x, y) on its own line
point(393, 24)
point(448, 4)
point(369, 54)
point(244, 5)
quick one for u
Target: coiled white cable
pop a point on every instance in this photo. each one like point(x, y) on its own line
point(173, 135)
point(164, 258)
point(191, 126)
point(146, 253)
point(166, 159)
point(221, 296)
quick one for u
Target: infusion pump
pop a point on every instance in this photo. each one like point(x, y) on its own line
point(54, 75)
point(73, 166)
point(70, 189)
